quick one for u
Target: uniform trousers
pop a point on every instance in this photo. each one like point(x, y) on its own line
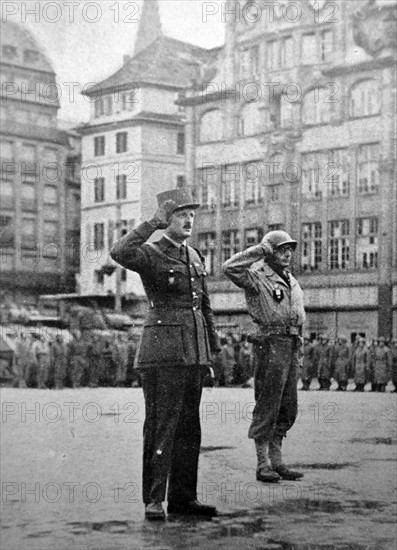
point(171, 433)
point(276, 397)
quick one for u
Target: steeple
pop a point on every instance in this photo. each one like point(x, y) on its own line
point(149, 25)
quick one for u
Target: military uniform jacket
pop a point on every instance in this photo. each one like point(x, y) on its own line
point(179, 329)
point(270, 300)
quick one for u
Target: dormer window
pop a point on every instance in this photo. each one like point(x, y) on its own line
point(9, 52)
point(31, 56)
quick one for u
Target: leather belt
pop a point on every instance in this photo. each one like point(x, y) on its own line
point(269, 330)
point(193, 304)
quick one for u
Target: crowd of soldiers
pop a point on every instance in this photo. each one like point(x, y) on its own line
point(326, 361)
point(96, 358)
point(90, 358)
point(374, 363)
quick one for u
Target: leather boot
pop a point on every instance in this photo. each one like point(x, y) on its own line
point(264, 471)
point(277, 461)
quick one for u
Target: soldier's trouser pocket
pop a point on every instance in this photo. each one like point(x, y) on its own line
point(162, 344)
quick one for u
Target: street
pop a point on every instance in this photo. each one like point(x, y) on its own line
point(71, 474)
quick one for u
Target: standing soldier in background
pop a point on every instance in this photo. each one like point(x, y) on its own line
point(322, 362)
point(40, 351)
point(58, 361)
point(361, 360)
point(382, 365)
point(175, 352)
point(341, 360)
point(307, 363)
point(24, 359)
point(245, 359)
point(275, 302)
point(394, 363)
point(77, 358)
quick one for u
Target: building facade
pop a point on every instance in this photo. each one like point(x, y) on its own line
point(34, 191)
point(297, 131)
point(132, 148)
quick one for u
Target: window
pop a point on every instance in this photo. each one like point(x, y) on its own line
point(286, 53)
point(365, 99)
point(50, 194)
point(275, 227)
point(28, 197)
point(249, 62)
point(311, 246)
point(206, 244)
point(367, 243)
point(253, 236)
point(274, 193)
point(229, 185)
point(309, 49)
point(28, 233)
point(180, 182)
point(50, 232)
point(99, 107)
point(317, 108)
point(211, 126)
point(123, 275)
point(121, 142)
point(253, 177)
point(108, 105)
point(230, 244)
point(326, 46)
point(99, 236)
point(339, 250)
point(251, 120)
point(121, 187)
point(368, 168)
point(338, 173)
point(313, 177)
point(99, 277)
point(287, 109)
point(180, 143)
point(207, 187)
point(7, 236)
point(99, 189)
point(99, 146)
point(9, 52)
point(31, 56)
point(6, 194)
point(272, 57)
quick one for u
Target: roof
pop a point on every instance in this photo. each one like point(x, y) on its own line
point(18, 37)
point(166, 62)
point(31, 131)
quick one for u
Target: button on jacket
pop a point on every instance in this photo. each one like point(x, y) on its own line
point(264, 288)
point(180, 328)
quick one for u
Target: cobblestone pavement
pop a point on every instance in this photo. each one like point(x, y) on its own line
point(71, 468)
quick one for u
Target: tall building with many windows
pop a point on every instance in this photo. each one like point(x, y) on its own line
point(297, 131)
point(36, 256)
point(133, 147)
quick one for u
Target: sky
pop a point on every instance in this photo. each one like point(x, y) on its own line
point(85, 40)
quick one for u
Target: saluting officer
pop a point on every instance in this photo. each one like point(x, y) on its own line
point(174, 354)
point(275, 302)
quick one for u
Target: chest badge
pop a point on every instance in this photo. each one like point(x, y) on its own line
point(278, 294)
point(171, 277)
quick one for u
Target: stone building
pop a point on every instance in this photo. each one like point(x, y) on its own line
point(133, 147)
point(34, 210)
point(297, 131)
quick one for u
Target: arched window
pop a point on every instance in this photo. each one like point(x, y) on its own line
point(287, 112)
point(251, 120)
point(211, 126)
point(317, 107)
point(364, 99)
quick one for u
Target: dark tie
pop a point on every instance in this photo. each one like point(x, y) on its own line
point(182, 253)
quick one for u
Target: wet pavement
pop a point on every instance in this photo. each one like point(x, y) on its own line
point(71, 469)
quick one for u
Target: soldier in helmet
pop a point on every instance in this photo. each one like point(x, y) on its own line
point(341, 362)
point(174, 354)
point(322, 362)
point(275, 302)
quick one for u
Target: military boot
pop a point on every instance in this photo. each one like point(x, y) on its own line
point(277, 462)
point(264, 471)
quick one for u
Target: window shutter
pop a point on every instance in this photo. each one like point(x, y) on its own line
point(88, 232)
point(110, 234)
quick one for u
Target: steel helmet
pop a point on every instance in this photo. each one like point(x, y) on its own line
point(275, 239)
